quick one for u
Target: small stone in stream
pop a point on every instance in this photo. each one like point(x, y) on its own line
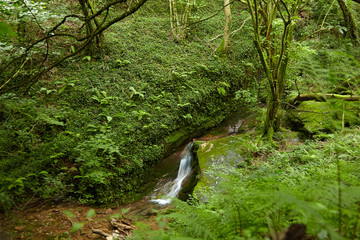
point(108, 211)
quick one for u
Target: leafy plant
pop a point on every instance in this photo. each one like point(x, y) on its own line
point(312, 184)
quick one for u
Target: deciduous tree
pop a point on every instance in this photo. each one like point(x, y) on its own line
point(227, 25)
point(39, 55)
point(349, 20)
point(273, 23)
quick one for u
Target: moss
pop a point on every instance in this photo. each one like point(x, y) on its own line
point(324, 117)
point(314, 116)
point(227, 151)
point(176, 136)
point(175, 140)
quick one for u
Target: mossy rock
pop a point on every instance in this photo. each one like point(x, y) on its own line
point(313, 117)
point(175, 140)
point(318, 117)
point(227, 151)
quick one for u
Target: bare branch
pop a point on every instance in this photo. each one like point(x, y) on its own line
point(215, 14)
point(63, 21)
point(85, 41)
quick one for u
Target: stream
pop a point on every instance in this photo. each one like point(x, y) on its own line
point(172, 188)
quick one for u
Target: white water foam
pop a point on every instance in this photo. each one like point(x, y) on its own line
point(184, 171)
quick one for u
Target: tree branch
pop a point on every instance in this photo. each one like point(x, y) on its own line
point(320, 97)
point(85, 42)
point(63, 21)
point(130, 11)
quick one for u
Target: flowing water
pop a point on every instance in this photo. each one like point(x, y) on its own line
point(171, 189)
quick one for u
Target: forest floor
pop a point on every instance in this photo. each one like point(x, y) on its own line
point(70, 220)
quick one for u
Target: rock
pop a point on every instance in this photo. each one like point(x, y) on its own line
point(314, 116)
point(317, 117)
point(296, 231)
point(108, 211)
point(222, 151)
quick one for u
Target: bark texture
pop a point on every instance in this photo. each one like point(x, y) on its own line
point(349, 21)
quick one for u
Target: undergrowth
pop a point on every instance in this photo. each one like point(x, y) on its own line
point(315, 183)
point(92, 128)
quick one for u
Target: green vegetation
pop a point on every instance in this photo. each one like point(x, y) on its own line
point(94, 93)
point(92, 131)
point(254, 190)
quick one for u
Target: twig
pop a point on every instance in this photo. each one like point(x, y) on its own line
point(14, 74)
point(100, 232)
point(63, 21)
point(327, 13)
point(232, 33)
point(214, 15)
point(30, 10)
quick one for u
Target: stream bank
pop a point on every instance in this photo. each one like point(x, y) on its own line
point(47, 220)
point(224, 145)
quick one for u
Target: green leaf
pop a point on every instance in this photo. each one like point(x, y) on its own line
point(187, 116)
point(90, 213)
point(62, 89)
point(6, 29)
point(88, 58)
point(221, 91)
point(50, 91)
point(125, 210)
point(68, 213)
point(109, 118)
point(43, 173)
point(115, 215)
point(76, 227)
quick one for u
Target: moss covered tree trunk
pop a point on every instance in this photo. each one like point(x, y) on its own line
point(273, 46)
point(349, 21)
point(91, 24)
point(227, 25)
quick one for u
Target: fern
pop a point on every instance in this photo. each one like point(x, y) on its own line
point(299, 186)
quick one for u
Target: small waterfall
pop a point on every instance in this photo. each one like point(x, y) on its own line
point(171, 189)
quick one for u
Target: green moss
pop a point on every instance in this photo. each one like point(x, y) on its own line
point(227, 151)
point(319, 117)
point(176, 136)
point(315, 116)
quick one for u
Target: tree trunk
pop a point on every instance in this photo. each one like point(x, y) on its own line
point(349, 21)
point(179, 18)
point(273, 51)
point(227, 25)
point(94, 47)
point(272, 120)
